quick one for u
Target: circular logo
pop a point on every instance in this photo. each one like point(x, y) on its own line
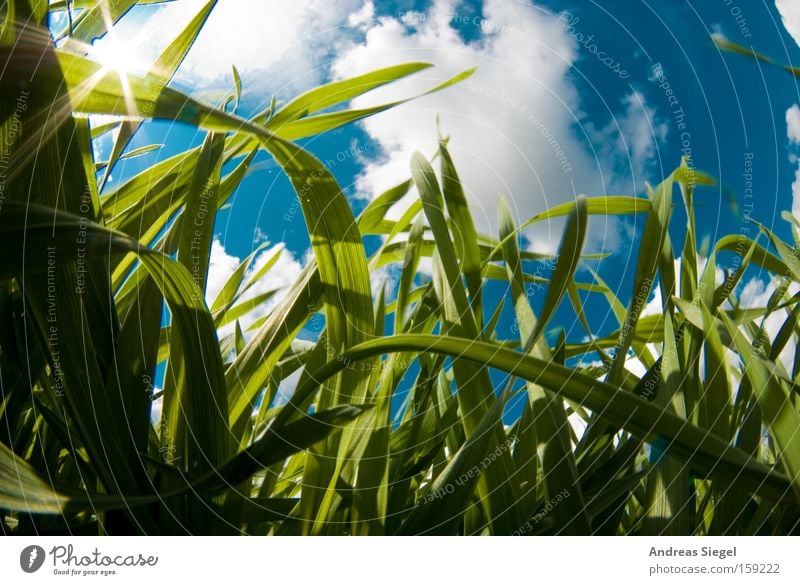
point(31, 558)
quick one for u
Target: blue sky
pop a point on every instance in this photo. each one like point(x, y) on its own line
point(569, 97)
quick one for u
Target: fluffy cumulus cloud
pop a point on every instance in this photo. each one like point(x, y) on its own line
point(793, 124)
point(516, 125)
point(220, 268)
point(386, 278)
point(279, 46)
point(793, 134)
point(790, 13)
point(636, 132)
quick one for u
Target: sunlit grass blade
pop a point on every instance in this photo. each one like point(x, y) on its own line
point(475, 395)
point(551, 443)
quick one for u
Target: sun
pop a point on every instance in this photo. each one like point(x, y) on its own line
point(119, 55)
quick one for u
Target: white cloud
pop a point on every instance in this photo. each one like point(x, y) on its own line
point(796, 192)
point(793, 124)
point(790, 13)
point(636, 133)
point(278, 46)
point(156, 407)
point(756, 293)
point(793, 134)
point(280, 277)
point(220, 268)
point(627, 147)
point(363, 17)
point(516, 126)
point(578, 424)
point(385, 277)
point(655, 306)
point(635, 366)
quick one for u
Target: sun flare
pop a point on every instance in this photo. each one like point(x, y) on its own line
point(122, 57)
point(118, 55)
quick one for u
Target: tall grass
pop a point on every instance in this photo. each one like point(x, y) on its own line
point(102, 288)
